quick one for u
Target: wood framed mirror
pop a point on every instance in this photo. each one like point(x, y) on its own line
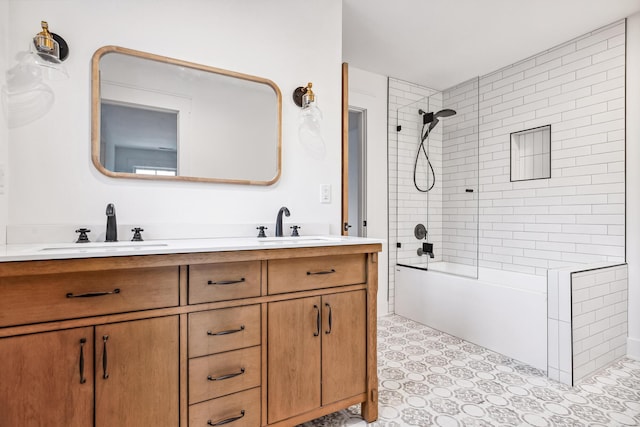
point(161, 118)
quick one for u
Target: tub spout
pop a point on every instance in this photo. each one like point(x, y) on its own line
point(427, 249)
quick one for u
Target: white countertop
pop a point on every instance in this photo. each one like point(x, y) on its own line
point(33, 252)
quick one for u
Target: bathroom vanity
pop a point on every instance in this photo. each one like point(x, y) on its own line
point(242, 334)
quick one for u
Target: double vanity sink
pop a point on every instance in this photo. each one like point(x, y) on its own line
point(247, 332)
point(151, 247)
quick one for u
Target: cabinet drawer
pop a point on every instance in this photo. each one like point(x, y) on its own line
point(222, 330)
point(238, 410)
point(30, 299)
point(301, 274)
point(224, 373)
point(224, 281)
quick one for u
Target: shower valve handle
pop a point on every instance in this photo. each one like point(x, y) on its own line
point(347, 226)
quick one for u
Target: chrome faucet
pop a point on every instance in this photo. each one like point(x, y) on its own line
point(112, 227)
point(279, 220)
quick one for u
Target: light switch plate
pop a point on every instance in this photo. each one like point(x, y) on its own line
point(325, 193)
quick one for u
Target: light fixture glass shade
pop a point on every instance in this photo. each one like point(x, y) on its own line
point(23, 107)
point(52, 68)
point(25, 97)
point(309, 130)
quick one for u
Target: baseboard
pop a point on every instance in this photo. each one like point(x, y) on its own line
point(633, 348)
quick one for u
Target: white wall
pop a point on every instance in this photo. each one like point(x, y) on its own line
point(52, 178)
point(369, 91)
point(4, 133)
point(633, 182)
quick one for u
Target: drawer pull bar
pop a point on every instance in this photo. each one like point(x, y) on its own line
point(330, 318)
point(227, 332)
point(82, 378)
point(226, 421)
point(225, 282)
point(93, 294)
point(226, 377)
point(309, 273)
point(317, 332)
point(105, 373)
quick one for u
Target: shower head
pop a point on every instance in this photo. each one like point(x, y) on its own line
point(447, 112)
point(433, 117)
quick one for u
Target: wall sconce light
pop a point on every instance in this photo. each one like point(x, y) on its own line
point(309, 130)
point(49, 50)
point(25, 97)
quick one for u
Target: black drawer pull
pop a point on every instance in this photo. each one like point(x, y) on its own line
point(93, 294)
point(227, 332)
point(326, 304)
point(227, 376)
point(226, 421)
point(225, 282)
point(105, 371)
point(309, 273)
point(82, 377)
point(317, 332)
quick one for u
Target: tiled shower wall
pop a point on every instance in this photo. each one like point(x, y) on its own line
point(587, 320)
point(599, 311)
point(576, 216)
point(460, 175)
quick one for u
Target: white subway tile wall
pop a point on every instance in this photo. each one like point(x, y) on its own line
point(599, 315)
point(576, 216)
point(460, 175)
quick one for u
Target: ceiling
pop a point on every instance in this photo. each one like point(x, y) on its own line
point(440, 43)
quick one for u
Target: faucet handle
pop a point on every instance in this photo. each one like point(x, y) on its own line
point(82, 238)
point(295, 229)
point(137, 237)
point(261, 232)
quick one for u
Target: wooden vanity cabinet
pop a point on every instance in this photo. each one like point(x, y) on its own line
point(251, 338)
point(42, 382)
point(84, 344)
point(52, 378)
point(317, 352)
point(137, 373)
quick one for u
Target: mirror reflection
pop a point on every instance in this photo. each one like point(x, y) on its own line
point(161, 118)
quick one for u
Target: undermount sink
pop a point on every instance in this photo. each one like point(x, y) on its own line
point(292, 240)
point(104, 246)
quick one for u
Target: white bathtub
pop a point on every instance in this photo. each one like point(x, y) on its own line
point(503, 311)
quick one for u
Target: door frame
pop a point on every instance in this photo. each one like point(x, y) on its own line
point(345, 150)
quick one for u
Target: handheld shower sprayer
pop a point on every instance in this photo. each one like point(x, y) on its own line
point(432, 119)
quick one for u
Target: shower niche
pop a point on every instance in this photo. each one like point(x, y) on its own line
point(437, 170)
point(531, 154)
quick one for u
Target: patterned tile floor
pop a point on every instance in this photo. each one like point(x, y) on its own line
point(429, 378)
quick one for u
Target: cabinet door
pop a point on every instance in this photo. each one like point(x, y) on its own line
point(137, 372)
point(46, 379)
point(293, 351)
point(344, 345)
